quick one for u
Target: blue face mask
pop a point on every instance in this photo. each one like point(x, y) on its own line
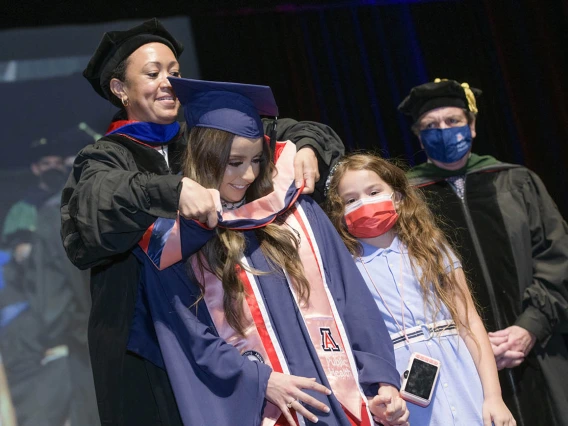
point(446, 145)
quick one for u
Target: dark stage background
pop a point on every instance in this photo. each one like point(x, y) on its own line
point(349, 63)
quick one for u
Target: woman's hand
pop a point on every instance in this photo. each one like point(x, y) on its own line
point(495, 410)
point(306, 169)
point(284, 389)
point(196, 202)
point(388, 407)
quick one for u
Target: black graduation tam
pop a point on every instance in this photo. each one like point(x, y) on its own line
point(43, 147)
point(116, 46)
point(437, 94)
point(64, 143)
point(75, 138)
point(232, 107)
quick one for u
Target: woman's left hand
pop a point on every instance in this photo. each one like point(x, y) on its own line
point(388, 407)
point(306, 169)
point(495, 410)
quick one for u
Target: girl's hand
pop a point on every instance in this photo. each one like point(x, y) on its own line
point(285, 391)
point(388, 407)
point(495, 410)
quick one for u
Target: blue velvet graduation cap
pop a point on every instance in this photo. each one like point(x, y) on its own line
point(232, 107)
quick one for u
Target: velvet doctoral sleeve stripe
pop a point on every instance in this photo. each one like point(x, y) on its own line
point(108, 204)
point(368, 335)
point(545, 301)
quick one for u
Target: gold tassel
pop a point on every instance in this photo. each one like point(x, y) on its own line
point(470, 98)
point(472, 105)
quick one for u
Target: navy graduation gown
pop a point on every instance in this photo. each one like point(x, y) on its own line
point(212, 382)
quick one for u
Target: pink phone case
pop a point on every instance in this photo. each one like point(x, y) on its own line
point(411, 397)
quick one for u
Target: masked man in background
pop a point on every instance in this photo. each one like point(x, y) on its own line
point(45, 345)
point(514, 245)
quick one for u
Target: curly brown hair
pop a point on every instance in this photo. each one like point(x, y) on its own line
point(416, 228)
point(205, 162)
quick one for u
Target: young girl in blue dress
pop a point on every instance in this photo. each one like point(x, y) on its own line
point(420, 288)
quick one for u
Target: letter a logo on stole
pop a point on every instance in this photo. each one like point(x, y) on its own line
point(327, 342)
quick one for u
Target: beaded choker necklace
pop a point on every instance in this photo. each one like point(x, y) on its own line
point(232, 206)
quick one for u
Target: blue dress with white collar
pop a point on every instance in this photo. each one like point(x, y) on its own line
point(458, 396)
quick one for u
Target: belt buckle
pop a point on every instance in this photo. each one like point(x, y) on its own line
point(427, 331)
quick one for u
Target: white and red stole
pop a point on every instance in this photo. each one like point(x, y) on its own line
point(320, 315)
point(321, 318)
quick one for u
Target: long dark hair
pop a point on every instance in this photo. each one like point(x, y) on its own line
point(206, 159)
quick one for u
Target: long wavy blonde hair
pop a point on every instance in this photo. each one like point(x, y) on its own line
point(206, 159)
point(429, 250)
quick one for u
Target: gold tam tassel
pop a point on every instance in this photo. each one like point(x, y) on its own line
point(470, 98)
point(472, 105)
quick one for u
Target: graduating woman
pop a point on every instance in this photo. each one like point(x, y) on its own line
point(274, 280)
point(121, 184)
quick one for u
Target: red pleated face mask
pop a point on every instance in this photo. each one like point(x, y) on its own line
point(370, 217)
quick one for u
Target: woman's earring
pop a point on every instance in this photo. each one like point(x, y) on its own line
point(125, 102)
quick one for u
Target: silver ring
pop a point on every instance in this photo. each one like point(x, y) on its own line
point(289, 405)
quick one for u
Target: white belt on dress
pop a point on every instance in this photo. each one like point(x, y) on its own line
point(424, 332)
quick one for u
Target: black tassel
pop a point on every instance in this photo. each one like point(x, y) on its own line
point(273, 136)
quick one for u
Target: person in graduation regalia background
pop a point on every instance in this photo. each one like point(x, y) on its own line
point(122, 183)
point(60, 291)
point(514, 246)
point(35, 361)
point(274, 280)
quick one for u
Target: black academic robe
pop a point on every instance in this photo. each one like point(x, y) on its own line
point(514, 245)
point(62, 301)
point(116, 191)
point(213, 383)
point(42, 391)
